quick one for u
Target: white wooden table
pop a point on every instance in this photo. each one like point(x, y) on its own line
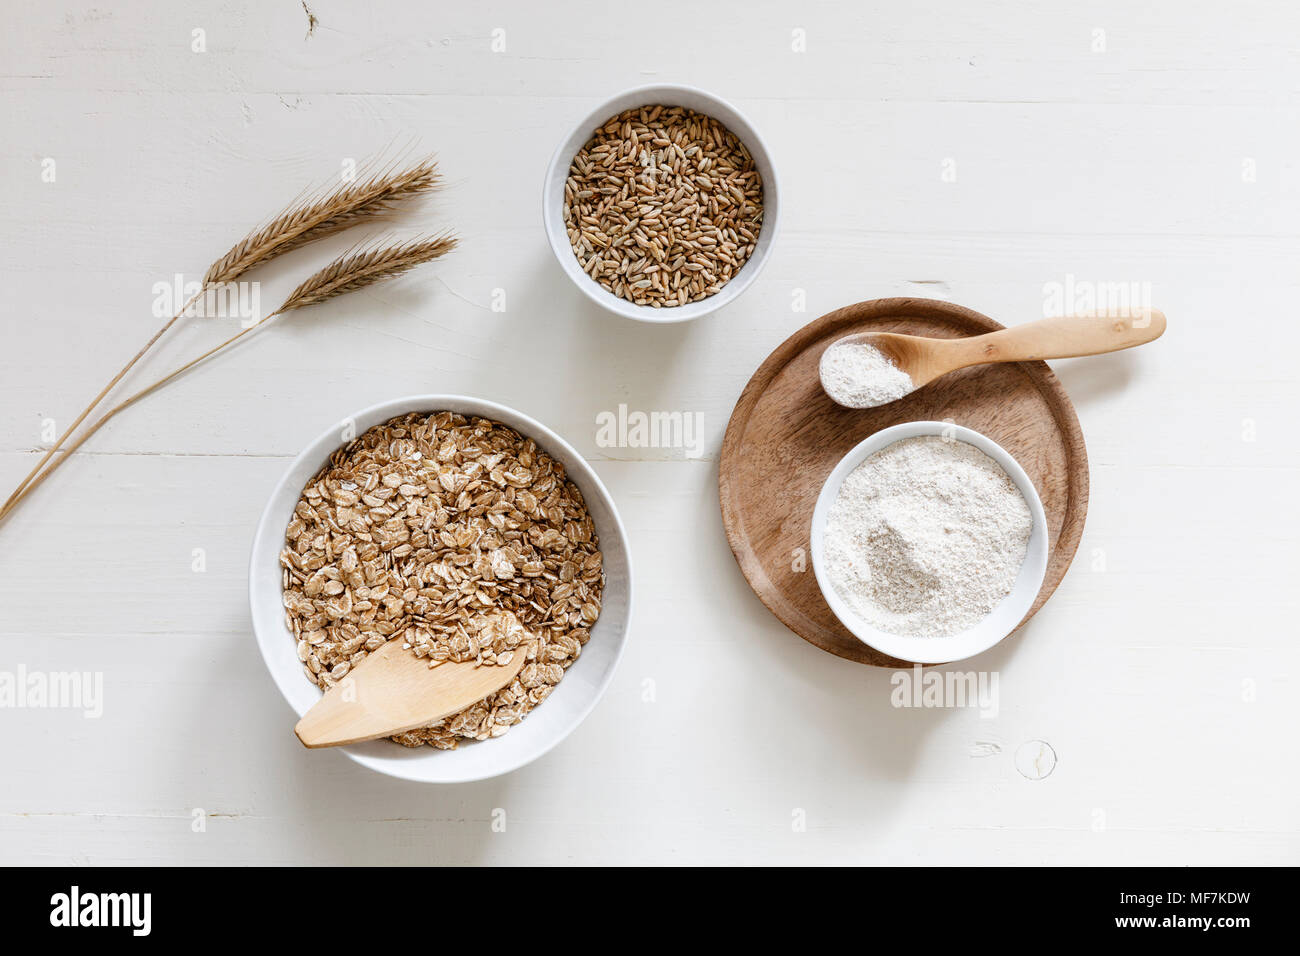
point(973, 152)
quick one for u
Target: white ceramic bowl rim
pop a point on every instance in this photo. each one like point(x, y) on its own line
point(669, 95)
point(1002, 620)
point(561, 713)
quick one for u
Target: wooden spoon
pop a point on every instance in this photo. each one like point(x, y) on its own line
point(391, 691)
point(925, 359)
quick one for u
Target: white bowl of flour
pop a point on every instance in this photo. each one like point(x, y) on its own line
point(929, 542)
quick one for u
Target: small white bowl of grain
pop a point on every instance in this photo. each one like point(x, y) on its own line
point(662, 204)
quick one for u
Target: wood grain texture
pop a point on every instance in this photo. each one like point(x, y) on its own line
point(786, 436)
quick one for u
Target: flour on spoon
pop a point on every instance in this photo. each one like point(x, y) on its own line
point(858, 375)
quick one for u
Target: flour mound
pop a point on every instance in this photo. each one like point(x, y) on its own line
point(926, 537)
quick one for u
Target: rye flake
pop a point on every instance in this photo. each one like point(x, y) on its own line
point(416, 528)
point(663, 206)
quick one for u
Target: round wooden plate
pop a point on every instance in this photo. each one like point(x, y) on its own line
point(785, 436)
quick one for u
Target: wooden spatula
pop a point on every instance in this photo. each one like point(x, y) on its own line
point(392, 691)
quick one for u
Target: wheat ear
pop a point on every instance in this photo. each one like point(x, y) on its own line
point(366, 266)
point(312, 217)
point(349, 272)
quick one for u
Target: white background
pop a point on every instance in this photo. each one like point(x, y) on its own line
point(1163, 671)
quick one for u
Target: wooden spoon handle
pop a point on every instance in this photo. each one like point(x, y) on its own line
point(1063, 337)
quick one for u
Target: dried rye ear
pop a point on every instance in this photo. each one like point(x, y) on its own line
point(313, 217)
point(316, 217)
point(349, 272)
point(363, 267)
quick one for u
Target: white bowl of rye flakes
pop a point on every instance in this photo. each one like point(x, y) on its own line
point(398, 521)
point(661, 204)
